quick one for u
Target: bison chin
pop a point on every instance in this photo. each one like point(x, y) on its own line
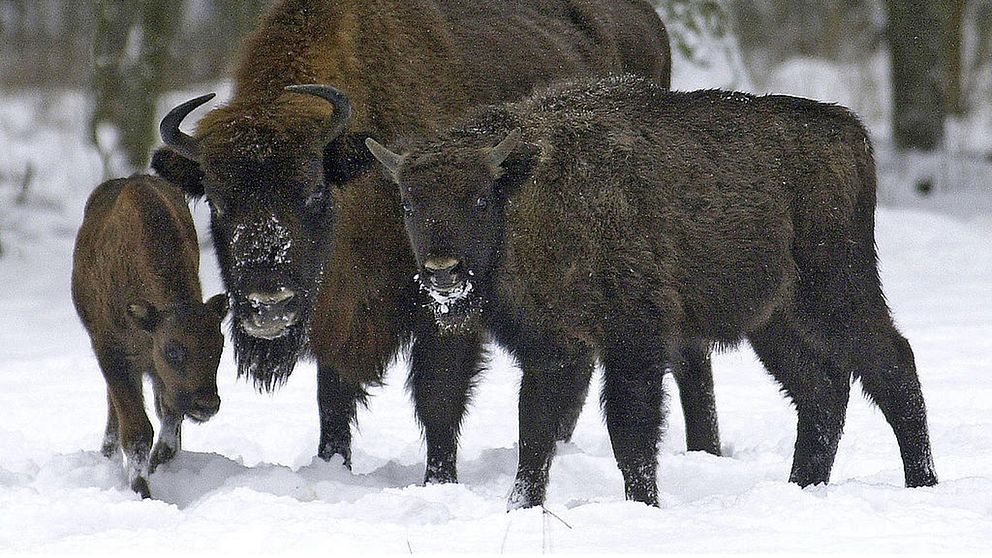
point(269, 362)
point(455, 310)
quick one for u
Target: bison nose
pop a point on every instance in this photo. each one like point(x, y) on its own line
point(282, 295)
point(443, 273)
point(204, 407)
point(272, 313)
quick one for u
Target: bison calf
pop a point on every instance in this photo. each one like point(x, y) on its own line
point(136, 288)
point(617, 216)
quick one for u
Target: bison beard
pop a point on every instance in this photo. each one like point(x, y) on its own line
point(268, 362)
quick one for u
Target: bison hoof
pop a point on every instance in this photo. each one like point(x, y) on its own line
point(161, 454)
point(441, 470)
point(140, 485)
point(440, 477)
point(804, 478)
point(110, 449)
point(922, 475)
point(328, 454)
point(525, 494)
point(649, 497)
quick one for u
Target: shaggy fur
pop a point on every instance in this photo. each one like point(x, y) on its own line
point(136, 288)
point(631, 222)
point(408, 66)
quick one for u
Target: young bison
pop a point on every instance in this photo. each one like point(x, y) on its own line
point(615, 216)
point(137, 292)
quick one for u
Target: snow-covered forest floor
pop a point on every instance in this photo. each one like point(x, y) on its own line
point(247, 480)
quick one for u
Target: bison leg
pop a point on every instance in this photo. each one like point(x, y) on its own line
point(882, 358)
point(818, 388)
point(124, 385)
point(552, 389)
point(633, 400)
point(337, 403)
point(894, 386)
point(842, 297)
point(442, 373)
point(695, 380)
point(111, 435)
point(170, 436)
point(577, 371)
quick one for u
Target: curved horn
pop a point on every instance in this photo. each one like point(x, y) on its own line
point(338, 100)
point(182, 143)
point(388, 159)
point(505, 147)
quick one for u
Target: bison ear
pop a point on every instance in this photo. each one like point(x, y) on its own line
point(218, 305)
point(144, 315)
point(184, 173)
point(346, 158)
point(517, 168)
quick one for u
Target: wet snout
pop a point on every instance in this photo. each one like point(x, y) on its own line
point(203, 406)
point(272, 312)
point(444, 273)
point(281, 296)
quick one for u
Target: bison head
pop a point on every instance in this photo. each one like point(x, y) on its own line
point(260, 164)
point(186, 348)
point(453, 200)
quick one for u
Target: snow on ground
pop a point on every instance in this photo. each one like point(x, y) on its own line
point(247, 480)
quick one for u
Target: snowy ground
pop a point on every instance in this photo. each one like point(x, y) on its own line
point(248, 481)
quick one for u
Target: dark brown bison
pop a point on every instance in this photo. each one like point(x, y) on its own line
point(616, 217)
point(319, 271)
point(136, 287)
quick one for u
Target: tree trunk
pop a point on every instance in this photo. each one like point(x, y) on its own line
point(915, 33)
point(953, 36)
point(131, 51)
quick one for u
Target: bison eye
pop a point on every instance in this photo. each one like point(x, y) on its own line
point(482, 203)
point(175, 354)
point(407, 208)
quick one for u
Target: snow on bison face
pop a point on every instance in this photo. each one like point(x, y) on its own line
point(453, 200)
point(261, 170)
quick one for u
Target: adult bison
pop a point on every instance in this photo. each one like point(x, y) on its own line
point(325, 272)
point(707, 215)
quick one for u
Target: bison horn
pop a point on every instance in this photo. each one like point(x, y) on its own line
point(182, 143)
point(388, 159)
point(505, 147)
point(338, 100)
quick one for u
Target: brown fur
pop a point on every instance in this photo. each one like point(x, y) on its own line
point(408, 66)
point(136, 288)
point(401, 74)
